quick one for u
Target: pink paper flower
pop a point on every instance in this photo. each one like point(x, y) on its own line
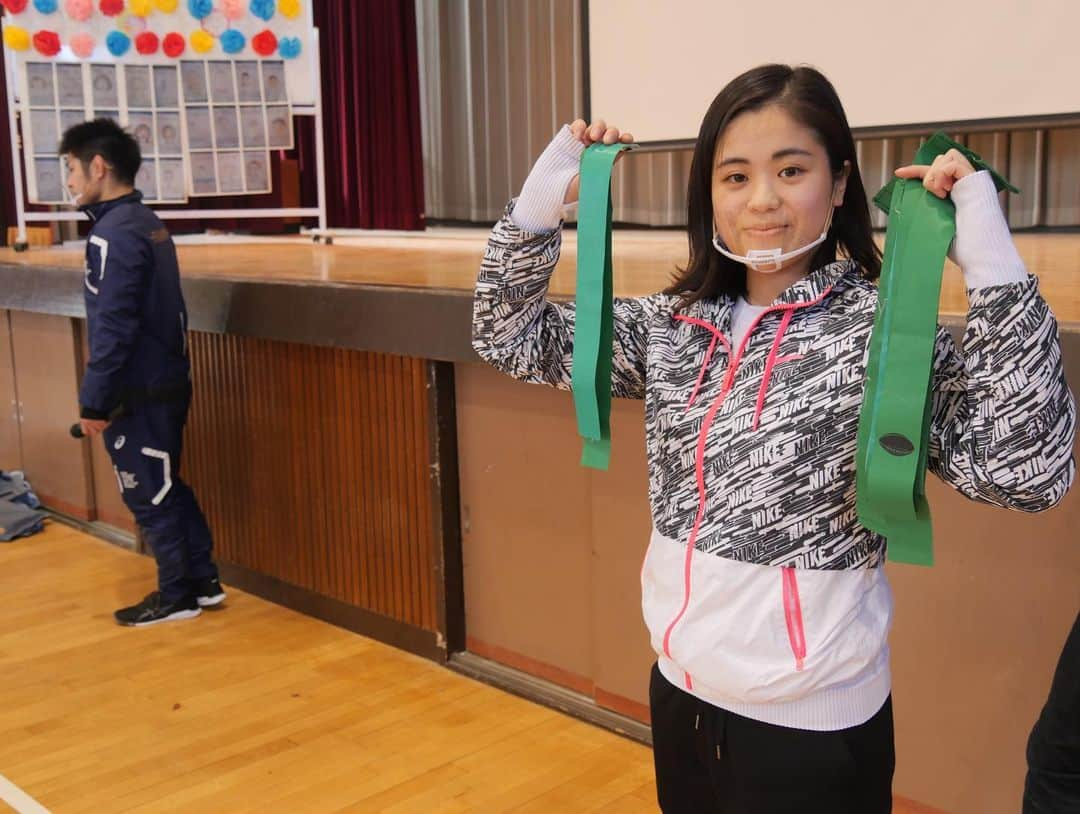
point(82, 45)
point(79, 9)
point(233, 9)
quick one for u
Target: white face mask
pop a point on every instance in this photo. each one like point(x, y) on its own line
point(772, 259)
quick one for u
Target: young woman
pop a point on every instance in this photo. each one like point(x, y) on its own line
point(766, 600)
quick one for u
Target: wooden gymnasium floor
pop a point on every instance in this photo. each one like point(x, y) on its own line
point(449, 259)
point(255, 708)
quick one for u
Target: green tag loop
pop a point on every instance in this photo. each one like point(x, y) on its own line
point(593, 327)
point(894, 424)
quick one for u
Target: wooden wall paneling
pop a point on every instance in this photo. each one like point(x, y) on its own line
point(313, 466)
point(10, 441)
point(445, 490)
point(47, 359)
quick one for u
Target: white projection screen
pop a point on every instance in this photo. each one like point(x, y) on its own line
point(654, 67)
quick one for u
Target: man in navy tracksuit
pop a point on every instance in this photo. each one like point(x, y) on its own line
point(137, 389)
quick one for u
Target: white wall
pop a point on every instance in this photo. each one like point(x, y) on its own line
point(656, 66)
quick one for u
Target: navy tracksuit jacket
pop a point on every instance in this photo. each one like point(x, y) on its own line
point(139, 374)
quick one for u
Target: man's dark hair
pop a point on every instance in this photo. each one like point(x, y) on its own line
point(106, 138)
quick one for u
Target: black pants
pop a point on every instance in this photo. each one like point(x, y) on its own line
point(1053, 752)
point(710, 761)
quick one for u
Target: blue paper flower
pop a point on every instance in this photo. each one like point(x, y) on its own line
point(289, 47)
point(200, 8)
point(118, 43)
point(263, 9)
point(232, 41)
point(46, 6)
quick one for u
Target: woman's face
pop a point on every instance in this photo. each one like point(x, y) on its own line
point(772, 186)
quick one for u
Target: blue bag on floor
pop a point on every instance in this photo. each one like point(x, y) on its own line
point(17, 520)
point(16, 488)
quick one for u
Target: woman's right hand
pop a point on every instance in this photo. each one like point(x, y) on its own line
point(599, 132)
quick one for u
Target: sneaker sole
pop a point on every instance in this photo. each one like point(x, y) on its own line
point(210, 601)
point(172, 617)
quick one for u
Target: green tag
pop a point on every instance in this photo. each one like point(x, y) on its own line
point(894, 424)
point(593, 328)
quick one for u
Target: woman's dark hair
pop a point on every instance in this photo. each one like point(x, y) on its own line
point(808, 97)
point(106, 138)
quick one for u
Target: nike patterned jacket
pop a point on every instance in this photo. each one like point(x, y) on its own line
point(762, 593)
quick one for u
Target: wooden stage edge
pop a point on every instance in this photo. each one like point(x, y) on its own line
point(448, 260)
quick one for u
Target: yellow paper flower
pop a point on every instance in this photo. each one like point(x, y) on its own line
point(140, 8)
point(15, 38)
point(290, 8)
point(166, 6)
point(202, 42)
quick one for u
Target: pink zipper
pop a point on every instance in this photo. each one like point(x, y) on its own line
point(699, 459)
point(793, 616)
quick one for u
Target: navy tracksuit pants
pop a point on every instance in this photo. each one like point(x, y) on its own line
point(145, 447)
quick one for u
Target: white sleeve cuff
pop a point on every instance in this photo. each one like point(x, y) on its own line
point(983, 246)
point(539, 207)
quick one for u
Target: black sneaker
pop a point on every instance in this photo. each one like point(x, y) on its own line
point(150, 611)
point(208, 592)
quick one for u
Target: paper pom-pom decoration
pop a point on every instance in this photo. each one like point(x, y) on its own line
point(111, 8)
point(233, 9)
point(263, 9)
point(82, 45)
point(118, 43)
point(290, 8)
point(173, 45)
point(80, 10)
point(146, 43)
point(131, 25)
point(14, 6)
point(214, 23)
point(289, 47)
point(140, 8)
point(201, 42)
point(200, 8)
point(264, 43)
point(47, 43)
point(46, 6)
point(15, 38)
point(232, 41)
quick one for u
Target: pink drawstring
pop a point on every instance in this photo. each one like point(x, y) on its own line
point(701, 375)
point(793, 617)
point(770, 363)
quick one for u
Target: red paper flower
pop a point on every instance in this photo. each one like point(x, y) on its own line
point(47, 43)
point(110, 8)
point(173, 45)
point(146, 43)
point(14, 6)
point(264, 43)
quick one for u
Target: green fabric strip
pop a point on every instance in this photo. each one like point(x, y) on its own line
point(894, 424)
point(593, 327)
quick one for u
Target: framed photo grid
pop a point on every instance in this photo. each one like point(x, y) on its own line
point(204, 127)
point(235, 112)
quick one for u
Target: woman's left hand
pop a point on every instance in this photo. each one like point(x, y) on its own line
point(940, 177)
